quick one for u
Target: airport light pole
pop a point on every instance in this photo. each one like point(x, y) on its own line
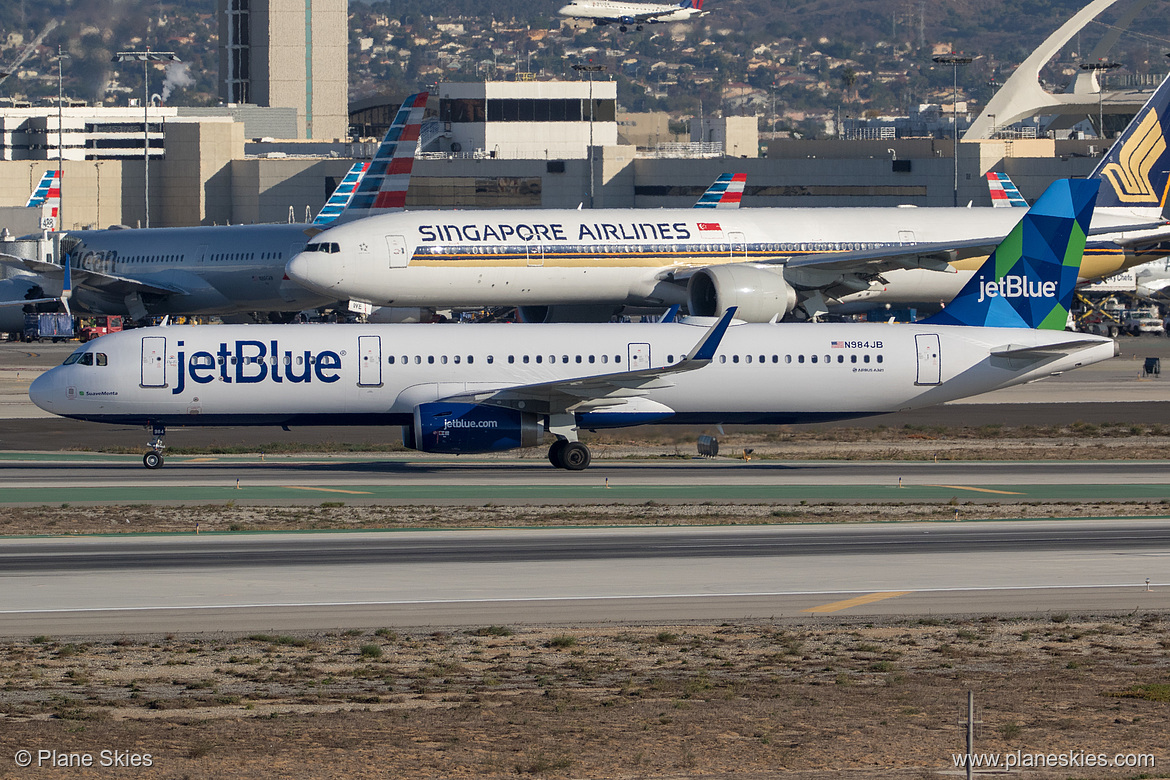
point(590, 69)
point(1097, 69)
point(146, 57)
point(60, 142)
point(954, 60)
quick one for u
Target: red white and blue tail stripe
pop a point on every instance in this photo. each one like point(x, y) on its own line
point(383, 187)
point(47, 195)
point(1003, 191)
point(725, 193)
point(342, 195)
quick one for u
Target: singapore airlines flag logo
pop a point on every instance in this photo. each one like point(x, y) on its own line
point(1130, 176)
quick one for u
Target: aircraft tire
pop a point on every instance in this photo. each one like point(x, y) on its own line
point(575, 456)
point(556, 453)
point(152, 460)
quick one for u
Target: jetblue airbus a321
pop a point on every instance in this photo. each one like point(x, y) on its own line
point(492, 387)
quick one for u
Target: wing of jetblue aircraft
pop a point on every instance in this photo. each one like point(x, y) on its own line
point(595, 391)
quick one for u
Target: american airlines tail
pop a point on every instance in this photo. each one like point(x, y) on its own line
point(382, 188)
point(341, 196)
point(1135, 172)
point(1030, 278)
point(1003, 191)
point(725, 193)
point(47, 195)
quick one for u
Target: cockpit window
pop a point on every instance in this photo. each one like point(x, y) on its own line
point(72, 359)
point(330, 248)
point(86, 359)
point(101, 358)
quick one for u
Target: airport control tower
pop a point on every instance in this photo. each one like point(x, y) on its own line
point(290, 53)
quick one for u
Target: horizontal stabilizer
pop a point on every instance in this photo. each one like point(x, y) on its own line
point(1044, 351)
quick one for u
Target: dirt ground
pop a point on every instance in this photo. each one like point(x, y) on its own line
point(816, 699)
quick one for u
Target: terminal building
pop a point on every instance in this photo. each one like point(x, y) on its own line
point(277, 147)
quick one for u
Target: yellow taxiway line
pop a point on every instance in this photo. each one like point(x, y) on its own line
point(857, 601)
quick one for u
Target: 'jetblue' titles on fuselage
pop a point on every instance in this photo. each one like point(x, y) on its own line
point(555, 231)
point(244, 363)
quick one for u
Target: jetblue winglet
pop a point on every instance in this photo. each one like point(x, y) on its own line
point(671, 314)
point(705, 350)
point(1136, 171)
point(1029, 280)
point(725, 193)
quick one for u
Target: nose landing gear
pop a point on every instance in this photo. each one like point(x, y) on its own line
point(154, 458)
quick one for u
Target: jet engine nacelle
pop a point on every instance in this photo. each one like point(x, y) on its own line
point(469, 428)
point(758, 293)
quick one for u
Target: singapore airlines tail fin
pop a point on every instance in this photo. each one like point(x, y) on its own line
point(342, 195)
point(1136, 171)
point(47, 195)
point(1004, 193)
point(1029, 280)
point(382, 188)
point(725, 193)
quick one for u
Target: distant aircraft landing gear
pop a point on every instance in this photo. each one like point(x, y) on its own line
point(154, 458)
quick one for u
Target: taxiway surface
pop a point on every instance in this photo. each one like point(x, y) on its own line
point(327, 580)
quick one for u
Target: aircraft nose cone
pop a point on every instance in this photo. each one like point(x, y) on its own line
point(317, 270)
point(42, 391)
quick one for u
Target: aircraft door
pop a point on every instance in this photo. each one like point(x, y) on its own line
point(154, 367)
point(370, 361)
point(737, 245)
point(201, 254)
point(398, 255)
point(929, 363)
point(639, 357)
point(906, 236)
point(535, 255)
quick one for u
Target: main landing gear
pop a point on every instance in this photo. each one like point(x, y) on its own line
point(154, 458)
point(570, 455)
point(566, 452)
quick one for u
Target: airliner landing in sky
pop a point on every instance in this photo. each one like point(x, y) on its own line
point(489, 387)
point(626, 15)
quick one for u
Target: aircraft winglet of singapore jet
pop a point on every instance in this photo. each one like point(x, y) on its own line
point(467, 388)
point(767, 262)
point(224, 269)
point(629, 14)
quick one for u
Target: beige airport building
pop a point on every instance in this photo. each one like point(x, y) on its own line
point(276, 148)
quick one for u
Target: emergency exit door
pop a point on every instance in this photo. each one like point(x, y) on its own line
point(369, 361)
point(154, 365)
point(639, 356)
point(929, 364)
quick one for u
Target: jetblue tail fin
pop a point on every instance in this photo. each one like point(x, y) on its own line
point(1003, 191)
point(1135, 172)
point(342, 195)
point(1029, 280)
point(383, 187)
point(725, 193)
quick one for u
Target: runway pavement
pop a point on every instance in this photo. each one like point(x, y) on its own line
point(325, 581)
point(415, 478)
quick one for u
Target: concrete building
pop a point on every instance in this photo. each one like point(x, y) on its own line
point(290, 53)
point(549, 120)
